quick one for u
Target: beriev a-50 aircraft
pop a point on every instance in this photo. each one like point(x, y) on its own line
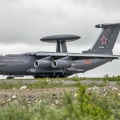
point(61, 63)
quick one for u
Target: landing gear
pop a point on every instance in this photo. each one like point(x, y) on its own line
point(57, 76)
point(63, 76)
point(60, 76)
point(51, 76)
point(41, 76)
point(10, 77)
point(38, 77)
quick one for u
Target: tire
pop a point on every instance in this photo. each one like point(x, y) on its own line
point(57, 76)
point(10, 77)
point(65, 76)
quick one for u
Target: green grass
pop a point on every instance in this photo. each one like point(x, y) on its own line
point(77, 78)
point(57, 82)
point(84, 107)
point(40, 84)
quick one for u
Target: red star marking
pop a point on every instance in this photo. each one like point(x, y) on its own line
point(103, 40)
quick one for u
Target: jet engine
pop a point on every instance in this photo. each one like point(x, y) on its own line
point(62, 63)
point(43, 63)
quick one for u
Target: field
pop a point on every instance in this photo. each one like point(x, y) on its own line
point(53, 99)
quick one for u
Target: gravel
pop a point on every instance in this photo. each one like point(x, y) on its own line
point(52, 95)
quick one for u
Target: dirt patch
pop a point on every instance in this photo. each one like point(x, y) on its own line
point(37, 91)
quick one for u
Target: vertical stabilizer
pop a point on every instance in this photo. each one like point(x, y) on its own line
point(106, 40)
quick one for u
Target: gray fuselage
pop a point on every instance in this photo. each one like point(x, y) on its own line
point(20, 64)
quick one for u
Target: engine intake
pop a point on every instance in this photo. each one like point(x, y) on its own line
point(62, 63)
point(43, 63)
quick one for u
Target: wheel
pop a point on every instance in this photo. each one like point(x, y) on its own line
point(36, 76)
point(63, 76)
point(10, 77)
point(57, 76)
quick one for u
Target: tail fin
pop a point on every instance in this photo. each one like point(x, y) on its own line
point(106, 40)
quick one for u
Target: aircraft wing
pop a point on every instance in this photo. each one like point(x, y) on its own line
point(76, 56)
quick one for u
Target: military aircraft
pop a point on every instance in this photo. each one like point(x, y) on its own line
point(61, 63)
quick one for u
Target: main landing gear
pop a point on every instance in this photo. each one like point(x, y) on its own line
point(60, 76)
point(55, 76)
point(10, 77)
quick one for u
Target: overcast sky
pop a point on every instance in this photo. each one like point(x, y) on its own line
point(24, 22)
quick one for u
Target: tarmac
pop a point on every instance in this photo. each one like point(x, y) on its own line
point(65, 82)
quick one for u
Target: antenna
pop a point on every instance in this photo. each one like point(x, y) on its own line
point(60, 40)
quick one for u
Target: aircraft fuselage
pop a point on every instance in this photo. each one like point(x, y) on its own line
point(19, 65)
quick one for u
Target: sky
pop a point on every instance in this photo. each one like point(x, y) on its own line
point(24, 22)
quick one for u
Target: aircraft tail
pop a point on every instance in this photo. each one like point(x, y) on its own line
point(106, 40)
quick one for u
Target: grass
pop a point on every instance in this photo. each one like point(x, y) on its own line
point(58, 82)
point(40, 84)
point(77, 78)
point(83, 107)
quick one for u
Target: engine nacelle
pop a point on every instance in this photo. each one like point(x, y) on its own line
point(43, 63)
point(62, 63)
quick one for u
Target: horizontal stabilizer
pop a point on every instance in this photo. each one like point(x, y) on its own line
point(107, 25)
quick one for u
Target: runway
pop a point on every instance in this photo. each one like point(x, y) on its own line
point(65, 82)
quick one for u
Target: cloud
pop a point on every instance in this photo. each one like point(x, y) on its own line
point(24, 22)
point(27, 21)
